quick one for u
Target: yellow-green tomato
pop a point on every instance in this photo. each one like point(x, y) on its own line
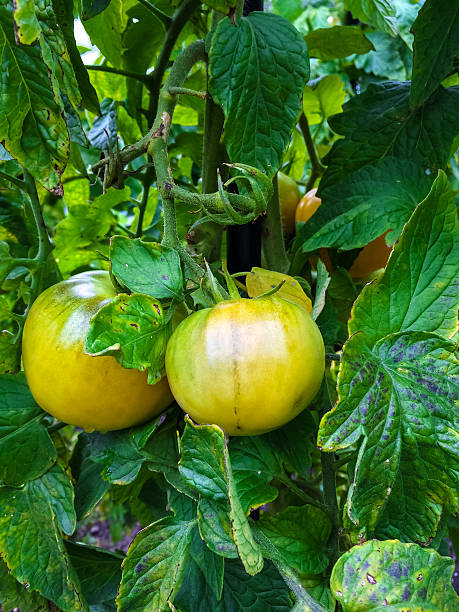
point(91, 392)
point(247, 365)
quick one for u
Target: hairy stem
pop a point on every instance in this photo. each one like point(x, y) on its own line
point(272, 235)
point(148, 179)
point(177, 22)
point(317, 168)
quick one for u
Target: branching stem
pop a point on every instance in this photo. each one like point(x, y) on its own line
point(317, 168)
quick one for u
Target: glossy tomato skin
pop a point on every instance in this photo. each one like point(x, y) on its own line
point(307, 206)
point(91, 392)
point(289, 194)
point(248, 365)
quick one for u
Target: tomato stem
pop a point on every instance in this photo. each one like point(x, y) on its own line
point(273, 236)
point(317, 168)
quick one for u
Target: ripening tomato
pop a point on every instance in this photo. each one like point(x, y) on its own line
point(307, 206)
point(289, 194)
point(247, 365)
point(372, 257)
point(91, 392)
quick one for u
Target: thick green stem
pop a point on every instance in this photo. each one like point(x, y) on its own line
point(317, 169)
point(300, 493)
point(12, 179)
point(272, 235)
point(177, 22)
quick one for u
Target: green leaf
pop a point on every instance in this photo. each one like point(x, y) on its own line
point(121, 452)
point(101, 585)
point(322, 98)
point(106, 26)
point(378, 13)
point(223, 6)
point(339, 299)
point(133, 329)
point(364, 205)
point(436, 44)
point(6, 261)
point(79, 234)
point(91, 8)
point(300, 534)
point(64, 17)
point(147, 267)
point(89, 485)
point(393, 576)
point(142, 39)
point(257, 460)
point(398, 383)
point(205, 465)
point(380, 123)
point(153, 569)
point(31, 542)
point(390, 58)
point(14, 595)
point(103, 132)
point(32, 129)
point(257, 74)
point(418, 291)
point(26, 449)
point(337, 42)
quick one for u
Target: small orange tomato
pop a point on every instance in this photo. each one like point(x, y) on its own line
point(371, 258)
point(307, 206)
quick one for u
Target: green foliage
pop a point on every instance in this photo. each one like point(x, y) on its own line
point(105, 155)
point(257, 75)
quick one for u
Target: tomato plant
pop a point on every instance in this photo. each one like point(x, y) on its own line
point(305, 454)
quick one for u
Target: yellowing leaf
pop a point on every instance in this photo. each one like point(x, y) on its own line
point(259, 281)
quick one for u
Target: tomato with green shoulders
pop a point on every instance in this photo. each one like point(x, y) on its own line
point(90, 392)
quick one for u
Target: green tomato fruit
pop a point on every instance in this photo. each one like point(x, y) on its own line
point(247, 365)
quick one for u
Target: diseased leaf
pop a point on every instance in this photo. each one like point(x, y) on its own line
point(26, 449)
point(147, 267)
point(377, 13)
point(337, 42)
point(37, 21)
point(10, 353)
point(435, 48)
point(380, 123)
point(133, 329)
point(393, 576)
point(399, 382)
point(364, 205)
point(153, 569)
point(32, 129)
point(257, 73)
point(31, 542)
